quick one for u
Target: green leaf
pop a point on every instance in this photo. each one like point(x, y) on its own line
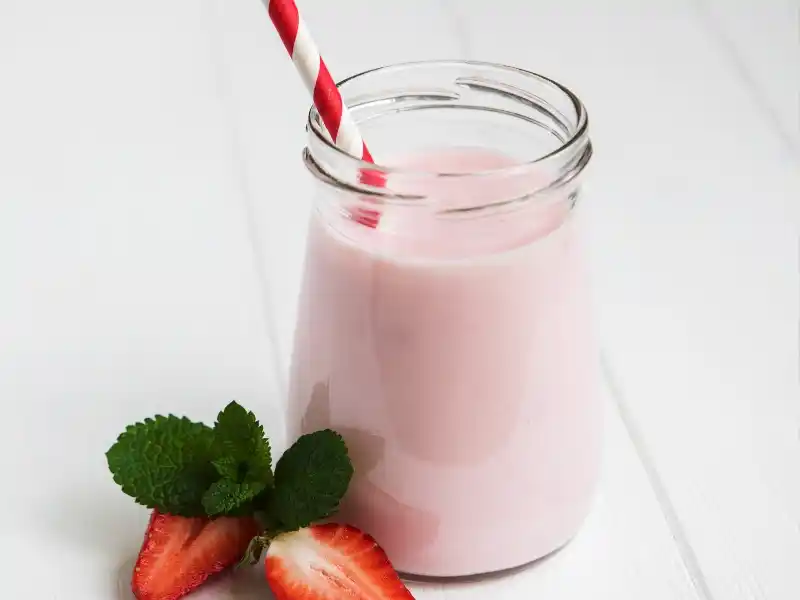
point(310, 480)
point(229, 497)
point(164, 463)
point(242, 452)
point(227, 467)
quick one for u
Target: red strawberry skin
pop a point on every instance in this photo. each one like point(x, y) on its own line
point(179, 553)
point(331, 562)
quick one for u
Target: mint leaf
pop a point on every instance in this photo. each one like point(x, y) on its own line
point(164, 463)
point(229, 497)
point(227, 467)
point(242, 452)
point(310, 480)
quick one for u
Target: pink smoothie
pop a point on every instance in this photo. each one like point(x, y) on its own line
point(455, 356)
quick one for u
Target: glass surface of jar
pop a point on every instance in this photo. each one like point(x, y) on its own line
point(451, 344)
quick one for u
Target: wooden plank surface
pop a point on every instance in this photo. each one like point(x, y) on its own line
point(152, 227)
point(762, 43)
point(127, 284)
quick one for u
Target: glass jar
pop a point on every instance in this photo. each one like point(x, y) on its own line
point(451, 344)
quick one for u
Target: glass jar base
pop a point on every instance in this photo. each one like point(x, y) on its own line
point(421, 580)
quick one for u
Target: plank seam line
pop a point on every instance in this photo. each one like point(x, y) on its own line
point(688, 556)
point(734, 57)
point(225, 95)
point(458, 28)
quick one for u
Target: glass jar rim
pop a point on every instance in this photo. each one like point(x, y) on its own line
point(575, 135)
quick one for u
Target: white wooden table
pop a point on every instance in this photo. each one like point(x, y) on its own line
point(152, 209)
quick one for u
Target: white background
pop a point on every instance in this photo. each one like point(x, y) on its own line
point(152, 209)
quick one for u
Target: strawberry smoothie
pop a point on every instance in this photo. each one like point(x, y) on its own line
point(454, 353)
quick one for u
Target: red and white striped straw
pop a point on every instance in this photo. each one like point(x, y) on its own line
point(306, 58)
point(314, 73)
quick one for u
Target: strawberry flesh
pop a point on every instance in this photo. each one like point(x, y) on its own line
point(331, 562)
point(179, 553)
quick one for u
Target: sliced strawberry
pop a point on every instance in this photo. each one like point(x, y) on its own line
point(179, 554)
point(331, 562)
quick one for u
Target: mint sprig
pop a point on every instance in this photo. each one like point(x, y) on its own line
point(189, 469)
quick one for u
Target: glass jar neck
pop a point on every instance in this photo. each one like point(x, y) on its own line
point(538, 126)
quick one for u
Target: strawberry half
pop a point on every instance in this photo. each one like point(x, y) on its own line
point(331, 562)
point(179, 554)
